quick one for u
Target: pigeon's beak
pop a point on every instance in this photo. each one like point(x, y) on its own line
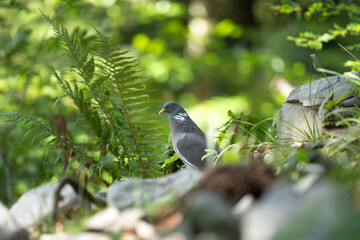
point(162, 110)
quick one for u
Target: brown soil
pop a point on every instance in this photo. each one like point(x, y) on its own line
point(233, 182)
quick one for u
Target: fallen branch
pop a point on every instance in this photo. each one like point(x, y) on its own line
point(79, 189)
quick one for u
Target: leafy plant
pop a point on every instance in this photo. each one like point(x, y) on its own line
point(322, 11)
point(254, 128)
point(106, 87)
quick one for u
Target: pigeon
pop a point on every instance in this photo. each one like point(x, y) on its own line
point(189, 142)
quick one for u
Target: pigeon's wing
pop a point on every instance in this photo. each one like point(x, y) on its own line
point(190, 147)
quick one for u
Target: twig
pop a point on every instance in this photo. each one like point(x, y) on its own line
point(79, 189)
point(348, 52)
point(217, 158)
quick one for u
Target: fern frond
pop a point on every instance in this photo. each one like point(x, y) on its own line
point(32, 122)
point(112, 98)
point(122, 72)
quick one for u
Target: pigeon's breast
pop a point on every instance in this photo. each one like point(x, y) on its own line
point(177, 136)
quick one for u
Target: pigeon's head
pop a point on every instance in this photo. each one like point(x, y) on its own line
point(172, 108)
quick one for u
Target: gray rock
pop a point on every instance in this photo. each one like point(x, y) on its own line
point(141, 192)
point(6, 222)
point(36, 204)
point(310, 209)
point(78, 236)
point(10, 235)
point(207, 216)
point(129, 220)
point(8, 229)
point(304, 107)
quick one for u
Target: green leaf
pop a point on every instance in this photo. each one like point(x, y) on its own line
point(81, 166)
point(326, 37)
point(91, 170)
point(106, 159)
point(89, 69)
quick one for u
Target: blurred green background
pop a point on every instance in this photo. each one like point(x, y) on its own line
point(208, 55)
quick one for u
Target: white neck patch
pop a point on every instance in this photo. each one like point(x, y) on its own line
point(180, 116)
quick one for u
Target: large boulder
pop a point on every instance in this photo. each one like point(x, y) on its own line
point(313, 208)
point(207, 215)
point(8, 229)
point(304, 114)
point(141, 192)
point(38, 203)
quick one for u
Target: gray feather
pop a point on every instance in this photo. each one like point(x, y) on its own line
point(189, 141)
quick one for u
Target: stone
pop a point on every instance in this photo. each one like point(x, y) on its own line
point(206, 215)
point(111, 219)
point(115, 221)
point(175, 236)
point(10, 235)
point(304, 115)
point(78, 236)
point(141, 192)
point(145, 230)
point(6, 221)
point(36, 204)
point(103, 220)
point(309, 209)
point(8, 229)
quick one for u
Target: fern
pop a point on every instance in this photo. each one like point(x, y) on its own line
point(107, 88)
point(52, 139)
point(34, 124)
point(112, 98)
